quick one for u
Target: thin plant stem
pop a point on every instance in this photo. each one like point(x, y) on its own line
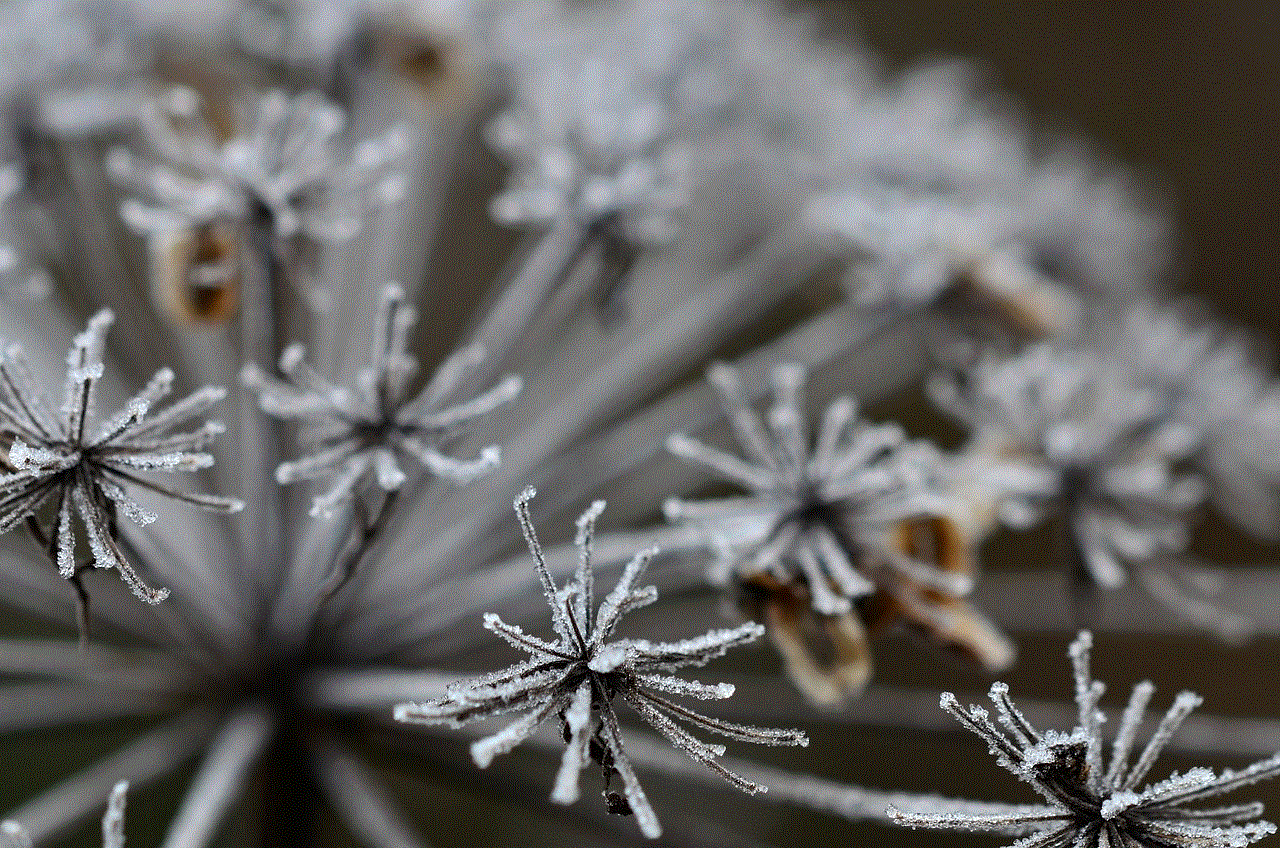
point(260, 527)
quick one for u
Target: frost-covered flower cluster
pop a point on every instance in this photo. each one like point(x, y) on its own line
point(360, 431)
point(1093, 802)
point(83, 469)
point(1109, 440)
point(827, 526)
point(692, 257)
point(578, 676)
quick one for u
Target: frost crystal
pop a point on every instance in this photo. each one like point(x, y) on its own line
point(577, 677)
point(826, 525)
point(55, 455)
point(360, 433)
point(1094, 804)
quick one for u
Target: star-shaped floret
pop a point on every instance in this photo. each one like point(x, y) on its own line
point(1094, 804)
point(285, 158)
point(362, 432)
point(579, 674)
point(56, 455)
point(1212, 379)
point(589, 137)
point(821, 526)
point(1110, 442)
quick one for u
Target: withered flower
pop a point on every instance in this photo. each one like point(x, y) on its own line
point(830, 533)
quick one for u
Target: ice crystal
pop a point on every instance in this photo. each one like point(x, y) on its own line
point(361, 433)
point(821, 525)
point(1110, 442)
point(578, 676)
point(55, 455)
point(1091, 803)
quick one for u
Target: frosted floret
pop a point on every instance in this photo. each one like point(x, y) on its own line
point(53, 457)
point(363, 434)
point(1216, 384)
point(1091, 803)
point(578, 676)
point(287, 158)
point(1108, 442)
point(590, 144)
point(819, 518)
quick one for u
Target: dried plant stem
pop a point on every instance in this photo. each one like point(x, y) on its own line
point(358, 796)
point(643, 365)
point(377, 691)
point(539, 273)
point(220, 778)
point(260, 527)
point(28, 706)
point(1245, 600)
point(50, 547)
point(850, 802)
point(150, 756)
point(363, 539)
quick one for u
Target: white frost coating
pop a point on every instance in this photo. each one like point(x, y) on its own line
point(12, 835)
point(113, 818)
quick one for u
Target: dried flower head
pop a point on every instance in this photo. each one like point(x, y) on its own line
point(591, 135)
point(283, 185)
point(85, 471)
point(284, 161)
point(360, 433)
point(821, 528)
point(1212, 381)
point(1093, 804)
point(578, 676)
point(68, 68)
point(1110, 442)
point(912, 251)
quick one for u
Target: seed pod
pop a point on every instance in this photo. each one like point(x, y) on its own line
point(945, 618)
point(195, 272)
